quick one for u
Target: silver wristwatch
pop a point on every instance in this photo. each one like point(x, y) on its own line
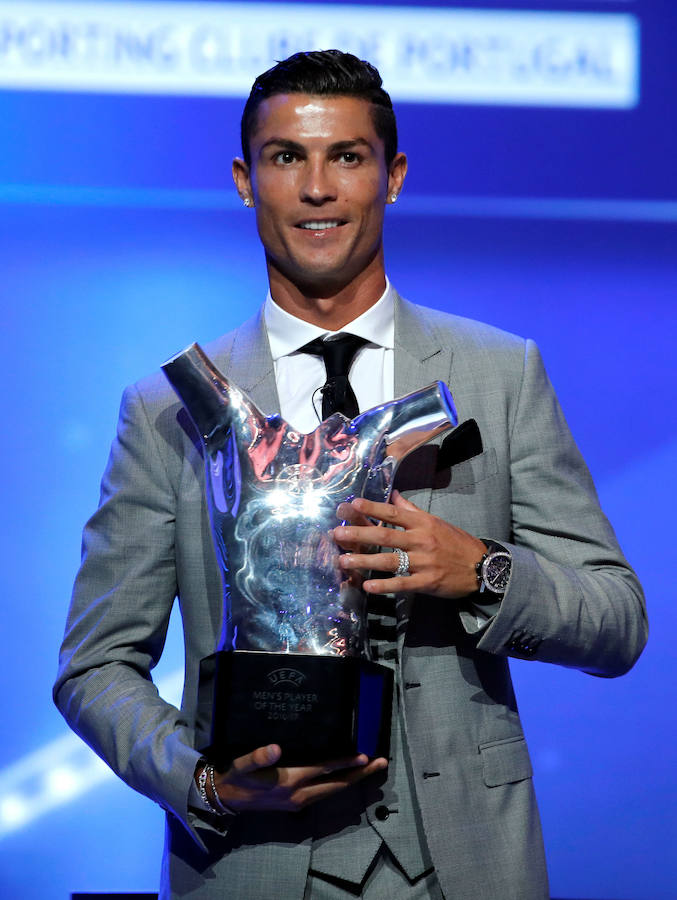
point(493, 570)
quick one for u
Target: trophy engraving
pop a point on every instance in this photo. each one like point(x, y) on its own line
point(290, 614)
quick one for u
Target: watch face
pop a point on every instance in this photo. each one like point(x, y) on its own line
point(496, 571)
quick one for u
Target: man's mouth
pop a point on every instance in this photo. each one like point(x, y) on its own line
point(320, 224)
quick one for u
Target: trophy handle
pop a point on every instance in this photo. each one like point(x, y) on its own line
point(398, 428)
point(418, 418)
point(210, 400)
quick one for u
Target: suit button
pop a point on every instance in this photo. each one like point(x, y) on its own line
point(381, 813)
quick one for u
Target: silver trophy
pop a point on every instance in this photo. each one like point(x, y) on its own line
point(292, 665)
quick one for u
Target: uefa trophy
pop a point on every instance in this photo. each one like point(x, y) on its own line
point(292, 665)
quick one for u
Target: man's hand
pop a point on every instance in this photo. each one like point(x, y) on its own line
point(254, 782)
point(442, 558)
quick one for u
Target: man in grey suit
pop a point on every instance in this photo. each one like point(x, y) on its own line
point(503, 554)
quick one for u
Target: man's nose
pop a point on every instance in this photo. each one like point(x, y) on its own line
point(318, 185)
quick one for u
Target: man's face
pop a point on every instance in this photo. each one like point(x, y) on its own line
point(319, 182)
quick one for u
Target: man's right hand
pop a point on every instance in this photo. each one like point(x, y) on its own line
point(254, 782)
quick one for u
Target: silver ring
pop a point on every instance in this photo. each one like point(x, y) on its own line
point(403, 565)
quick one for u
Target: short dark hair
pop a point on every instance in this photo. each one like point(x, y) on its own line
point(323, 72)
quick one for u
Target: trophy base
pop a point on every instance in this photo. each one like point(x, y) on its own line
point(316, 708)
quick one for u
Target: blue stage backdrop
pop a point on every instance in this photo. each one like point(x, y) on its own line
point(542, 198)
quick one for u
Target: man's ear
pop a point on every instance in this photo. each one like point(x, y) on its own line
point(396, 176)
point(242, 181)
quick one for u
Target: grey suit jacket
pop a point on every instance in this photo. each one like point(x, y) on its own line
point(572, 600)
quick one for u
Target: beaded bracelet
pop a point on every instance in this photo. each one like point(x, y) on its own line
point(223, 809)
point(202, 788)
point(208, 773)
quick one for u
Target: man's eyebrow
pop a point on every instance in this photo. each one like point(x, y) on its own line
point(284, 143)
point(350, 145)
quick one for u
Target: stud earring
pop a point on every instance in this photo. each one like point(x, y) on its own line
point(247, 201)
point(393, 198)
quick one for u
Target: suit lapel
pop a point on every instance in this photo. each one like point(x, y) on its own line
point(250, 365)
point(420, 359)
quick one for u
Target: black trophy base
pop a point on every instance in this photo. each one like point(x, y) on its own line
point(315, 707)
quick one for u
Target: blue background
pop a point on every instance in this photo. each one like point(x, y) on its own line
point(122, 240)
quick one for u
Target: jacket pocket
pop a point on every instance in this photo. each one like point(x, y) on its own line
point(505, 761)
point(474, 470)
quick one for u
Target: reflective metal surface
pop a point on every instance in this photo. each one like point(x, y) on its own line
point(273, 494)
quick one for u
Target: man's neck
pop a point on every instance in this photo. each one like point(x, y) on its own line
point(329, 307)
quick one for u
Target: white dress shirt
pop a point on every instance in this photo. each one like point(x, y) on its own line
point(299, 376)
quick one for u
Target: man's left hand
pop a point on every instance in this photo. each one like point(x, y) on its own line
point(442, 558)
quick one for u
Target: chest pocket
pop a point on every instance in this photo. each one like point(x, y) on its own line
point(505, 761)
point(464, 475)
point(419, 471)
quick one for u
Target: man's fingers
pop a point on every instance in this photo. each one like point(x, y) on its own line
point(402, 503)
point(345, 762)
point(325, 787)
point(266, 757)
point(379, 562)
point(360, 532)
point(347, 513)
point(260, 758)
point(355, 537)
point(403, 513)
point(401, 584)
point(365, 512)
point(254, 782)
point(300, 774)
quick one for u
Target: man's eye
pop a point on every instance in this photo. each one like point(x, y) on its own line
point(285, 157)
point(349, 157)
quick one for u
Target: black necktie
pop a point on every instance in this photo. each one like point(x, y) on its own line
point(338, 354)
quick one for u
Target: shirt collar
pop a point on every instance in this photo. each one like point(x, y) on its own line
point(287, 333)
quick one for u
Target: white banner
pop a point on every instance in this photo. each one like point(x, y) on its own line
point(424, 54)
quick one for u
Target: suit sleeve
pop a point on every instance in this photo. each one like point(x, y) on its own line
point(572, 597)
point(118, 620)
